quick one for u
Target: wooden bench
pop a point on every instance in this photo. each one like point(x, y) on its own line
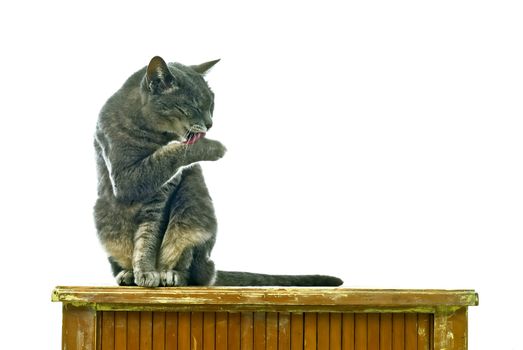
point(116, 318)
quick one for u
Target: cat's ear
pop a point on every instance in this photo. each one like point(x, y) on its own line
point(204, 67)
point(158, 77)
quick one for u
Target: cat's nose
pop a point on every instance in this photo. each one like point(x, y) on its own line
point(207, 120)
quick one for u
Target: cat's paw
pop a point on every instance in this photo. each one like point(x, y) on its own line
point(168, 278)
point(210, 149)
point(147, 278)
point(172, 278)
point(125, 278)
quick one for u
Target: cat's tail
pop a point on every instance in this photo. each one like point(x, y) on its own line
point(234, 278)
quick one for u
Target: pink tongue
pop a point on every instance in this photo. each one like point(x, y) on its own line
point(194, 138)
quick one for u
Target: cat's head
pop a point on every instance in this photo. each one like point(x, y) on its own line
point(177, 100)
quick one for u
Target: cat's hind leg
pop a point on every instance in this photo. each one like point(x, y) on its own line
point(202, 271)
point(176, 253)
point(191, 224)
point(124, 277)
point(179, 275)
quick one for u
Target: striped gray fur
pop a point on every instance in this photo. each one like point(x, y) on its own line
point(154, 215)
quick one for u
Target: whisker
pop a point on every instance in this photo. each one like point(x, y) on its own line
point(184, 145)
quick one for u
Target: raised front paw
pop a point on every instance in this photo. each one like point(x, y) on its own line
point(125, 278)
point(147, 278)
point(210, 149)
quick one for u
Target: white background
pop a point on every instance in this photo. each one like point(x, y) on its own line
point(377, 141)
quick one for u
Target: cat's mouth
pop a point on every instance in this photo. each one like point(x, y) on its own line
point(193, 137)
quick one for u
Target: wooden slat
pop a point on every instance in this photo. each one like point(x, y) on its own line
point(221, 330)
point(209, 331)
point(159, 331)
point(146, 330)
point(423, 331)
point(184, 330)
point(323, 330)
point(120, 330)
point(271, 331)
point(259, 331)
point(385, 328)
point(171, 330)
point(98, 329)
point(411, 331)
point(264, 299)
point(458, 323)
point(108, 330)
point(373, 331)
point(234, 331)
point(360, 331)
point(310, 328)
point(386, 331)
point(133, 330)
point(196, 330)
point(335, 331)
point(450, 329)
point(296, 331)
point(432, 321)
point(247, 335)
point(284, 331)
point(79, 328)
point(347, 340)
point(398, 331)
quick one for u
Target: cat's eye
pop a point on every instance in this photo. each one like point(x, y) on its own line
point(182, 111)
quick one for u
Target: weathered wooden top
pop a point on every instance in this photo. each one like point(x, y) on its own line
point(264, 299)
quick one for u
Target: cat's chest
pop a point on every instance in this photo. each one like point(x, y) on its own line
point(171, 184)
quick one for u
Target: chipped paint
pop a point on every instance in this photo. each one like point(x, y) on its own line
point(447, 330)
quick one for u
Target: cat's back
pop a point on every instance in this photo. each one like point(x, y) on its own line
point(124, 102)
point(113, 121)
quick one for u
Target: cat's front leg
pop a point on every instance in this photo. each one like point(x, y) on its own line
point(204, 150)
point(146, 244)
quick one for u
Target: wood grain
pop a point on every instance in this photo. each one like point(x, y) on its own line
point(398, 331)
point(262, 299)
point(310, 328)
point(184, 330)
point(146, 330)
point(386, 331)
point(247, 331)
point(234, 331)
point(424, 327)
point(108, 330)
point(221, 330)
point(158, 335)
point(196, 330)
point(323, 330)
point(347, 337)
point(271, 330)
point(450, 329)
point(360, 331)
point(284, 331)
point(79, 327)
point(209, 331)
point(373, 331)
point(296, 331)
point(171, 330)
point(171, 320)
point(133, 331)
point(335, 331)
point(411, 331)
point(259, 331)
point(120, 330)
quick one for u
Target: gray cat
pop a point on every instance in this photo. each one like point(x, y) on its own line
point(154, 215)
